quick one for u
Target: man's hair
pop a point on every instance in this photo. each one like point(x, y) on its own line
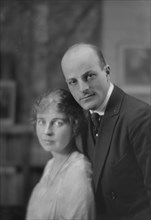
point(96, 49)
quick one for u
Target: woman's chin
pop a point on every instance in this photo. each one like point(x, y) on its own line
point(48, 148)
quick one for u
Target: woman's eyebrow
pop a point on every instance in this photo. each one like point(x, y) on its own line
point(60, 118)
point(39, 117)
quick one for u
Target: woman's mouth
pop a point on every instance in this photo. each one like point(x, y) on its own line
point(49, 141)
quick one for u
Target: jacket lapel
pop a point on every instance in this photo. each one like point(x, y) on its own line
point(91, 143)
point(105, 133)
point(103, 146)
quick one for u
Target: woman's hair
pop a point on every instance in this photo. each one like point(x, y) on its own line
point(64, 103)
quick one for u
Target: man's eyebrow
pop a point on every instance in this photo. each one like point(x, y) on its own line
point(70, 79)
point(88, 72)
point(82, 76)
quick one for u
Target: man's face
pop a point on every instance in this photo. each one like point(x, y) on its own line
point(86, 80)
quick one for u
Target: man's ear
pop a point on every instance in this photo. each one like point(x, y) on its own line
point(107, 69)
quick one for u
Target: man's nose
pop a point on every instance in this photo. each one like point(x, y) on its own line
point(83, 86)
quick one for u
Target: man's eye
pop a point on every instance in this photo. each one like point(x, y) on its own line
point(72, 82)
point(90, 76)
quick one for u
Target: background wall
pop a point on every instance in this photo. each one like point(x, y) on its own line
point(126, 24)
point(35, 34)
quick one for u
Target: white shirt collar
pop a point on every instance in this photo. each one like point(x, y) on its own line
point(102, 108)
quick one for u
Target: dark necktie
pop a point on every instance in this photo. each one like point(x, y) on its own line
point(95, 117)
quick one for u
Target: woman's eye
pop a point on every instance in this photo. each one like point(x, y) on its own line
point(40, 122)
point(58, 123)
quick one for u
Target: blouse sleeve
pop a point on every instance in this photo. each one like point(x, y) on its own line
point(77, 201)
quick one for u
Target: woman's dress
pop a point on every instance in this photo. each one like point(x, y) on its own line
point(69, 196)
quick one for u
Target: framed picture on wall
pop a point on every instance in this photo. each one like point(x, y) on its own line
point(7, 102)
point(135, 71)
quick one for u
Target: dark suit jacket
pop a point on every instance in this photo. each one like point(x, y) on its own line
point(121, 159)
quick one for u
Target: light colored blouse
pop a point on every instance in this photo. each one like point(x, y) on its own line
point(68, 197)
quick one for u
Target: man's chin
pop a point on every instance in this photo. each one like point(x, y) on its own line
point(88, 107)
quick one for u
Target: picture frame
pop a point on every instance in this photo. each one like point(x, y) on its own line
point(135, 68)
point(7, 102)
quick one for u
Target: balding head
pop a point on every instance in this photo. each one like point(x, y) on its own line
point(84, 48)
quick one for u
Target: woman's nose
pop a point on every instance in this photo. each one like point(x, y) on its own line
point(49, 129)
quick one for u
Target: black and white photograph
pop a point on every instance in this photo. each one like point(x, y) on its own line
point(75, 110)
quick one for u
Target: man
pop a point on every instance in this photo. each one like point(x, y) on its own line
point(120, 150)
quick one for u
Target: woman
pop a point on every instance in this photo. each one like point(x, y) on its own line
point(65, 189)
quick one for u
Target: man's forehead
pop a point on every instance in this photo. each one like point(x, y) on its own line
point(80, 59)
point(79, 50)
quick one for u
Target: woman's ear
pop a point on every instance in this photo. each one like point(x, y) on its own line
point(75, 127)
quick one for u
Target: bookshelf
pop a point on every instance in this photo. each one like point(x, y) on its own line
point(21, 164)
point(15, 143)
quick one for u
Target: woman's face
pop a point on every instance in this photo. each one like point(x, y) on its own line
point(54, 130)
